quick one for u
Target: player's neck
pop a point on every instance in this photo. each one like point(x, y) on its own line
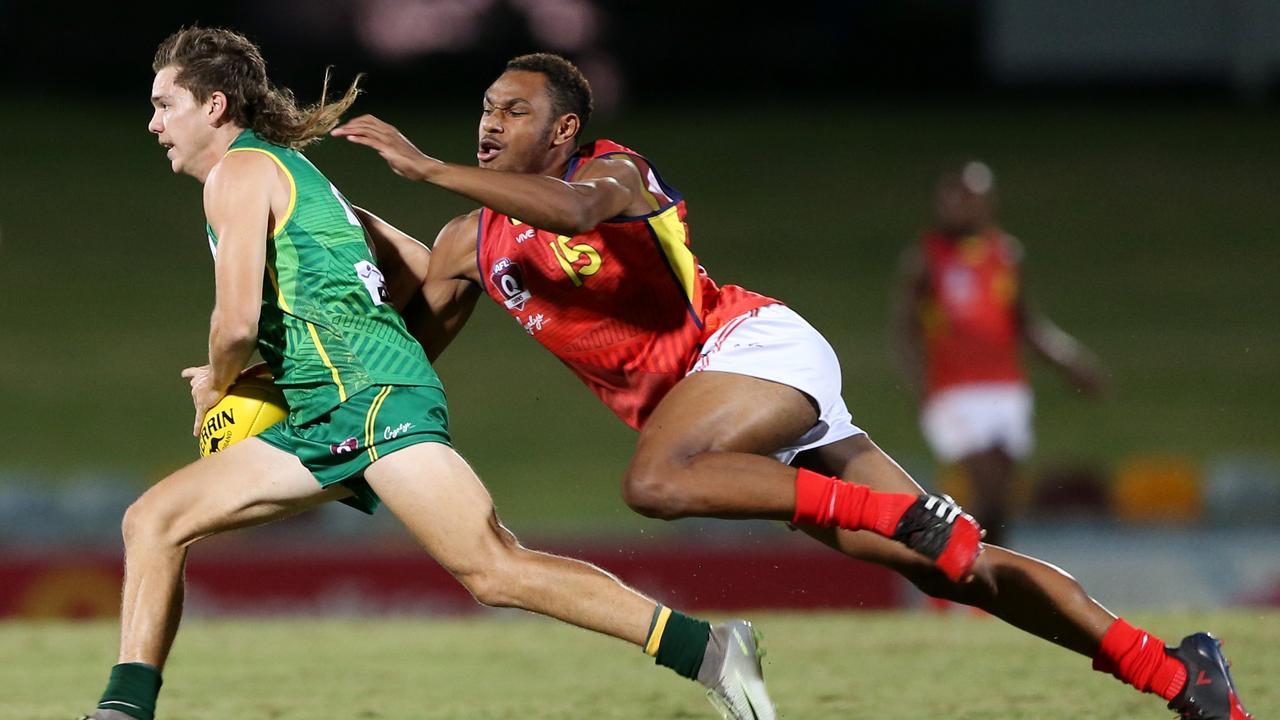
point(960, 233)
point(557, 164)
point(219, 144)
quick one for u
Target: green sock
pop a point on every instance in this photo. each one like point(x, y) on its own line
point(132, 690)
point(677, 641)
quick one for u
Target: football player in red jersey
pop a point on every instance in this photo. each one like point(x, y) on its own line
point(962, 322)
point(750, 424)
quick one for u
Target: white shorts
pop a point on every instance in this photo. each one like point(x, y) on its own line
point(968, 419)
point(776, 344)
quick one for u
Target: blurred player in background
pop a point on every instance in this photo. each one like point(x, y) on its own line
point(737, 399)
point(962, 322)
point(368, 422)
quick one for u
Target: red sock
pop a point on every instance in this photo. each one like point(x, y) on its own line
point(827, 501)
point(1137, 657)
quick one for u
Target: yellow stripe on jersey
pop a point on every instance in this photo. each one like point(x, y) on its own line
point(315, 336)
point(370, 421)
point(655, 637)
point(673, 238)
point(324, 358)
point(284, 304)
point(293, 187)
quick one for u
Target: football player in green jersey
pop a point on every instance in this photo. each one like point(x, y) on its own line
point(368, 422)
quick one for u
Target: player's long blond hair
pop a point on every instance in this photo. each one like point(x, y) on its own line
point(215, 59)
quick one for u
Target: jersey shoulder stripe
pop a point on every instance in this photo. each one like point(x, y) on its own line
point(293, 186)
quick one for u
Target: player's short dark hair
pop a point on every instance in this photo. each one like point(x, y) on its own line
point(570, 91)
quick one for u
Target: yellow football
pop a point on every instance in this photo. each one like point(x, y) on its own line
point(250, 406)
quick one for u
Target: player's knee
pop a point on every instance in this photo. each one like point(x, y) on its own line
point(487, 589)
point(653, 489)
point(495, 570)
point(496, 584)
point(145, 523)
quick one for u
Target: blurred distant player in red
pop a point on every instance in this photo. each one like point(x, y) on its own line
point(962, 323)
point(736, 397)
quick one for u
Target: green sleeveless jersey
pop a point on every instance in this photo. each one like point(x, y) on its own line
point(326, 329)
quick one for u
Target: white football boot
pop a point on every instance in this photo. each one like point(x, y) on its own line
point(732, 675)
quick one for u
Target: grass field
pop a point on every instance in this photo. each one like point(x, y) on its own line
point(864, 665)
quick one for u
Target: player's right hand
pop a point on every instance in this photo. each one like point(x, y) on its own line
point(203, 393)
point(405, 159)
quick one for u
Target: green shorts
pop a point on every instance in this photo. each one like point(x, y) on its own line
point(338, 446)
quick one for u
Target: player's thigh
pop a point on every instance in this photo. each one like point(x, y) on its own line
point(246, 484)
point(441, 501)
point(721, 411)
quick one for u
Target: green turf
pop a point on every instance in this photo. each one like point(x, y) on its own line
point(1151, 235)
point(882, 665)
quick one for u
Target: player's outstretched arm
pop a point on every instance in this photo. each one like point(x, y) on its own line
point(445, 301)
point(568, 208)
point(401, 258)
point(237, 204)
point(1075, 361)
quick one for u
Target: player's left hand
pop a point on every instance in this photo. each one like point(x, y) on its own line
point(404, 158)
point(204, 394)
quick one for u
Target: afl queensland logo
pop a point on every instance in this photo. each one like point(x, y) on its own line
point(349, 445)
point(508, 278)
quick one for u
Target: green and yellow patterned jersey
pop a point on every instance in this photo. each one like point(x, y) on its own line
point(326, 329)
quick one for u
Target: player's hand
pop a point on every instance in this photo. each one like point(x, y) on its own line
point(204, 394)
point(1086, 376)
point(404, 158)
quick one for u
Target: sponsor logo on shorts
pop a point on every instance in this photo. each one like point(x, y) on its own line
point(507, 276)
point(349, 445)
point(391, 433)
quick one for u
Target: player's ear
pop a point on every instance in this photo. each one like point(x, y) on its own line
point(566, 129)
point(216, 108)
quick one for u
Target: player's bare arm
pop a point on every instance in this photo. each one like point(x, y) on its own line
point(240, 199)
point(1068, 355)
point(451, 289)
point(604, 190)
point(401, 258)
point(434, 292)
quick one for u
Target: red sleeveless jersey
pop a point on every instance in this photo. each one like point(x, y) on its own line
point(970, 320)
point(626, 305)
